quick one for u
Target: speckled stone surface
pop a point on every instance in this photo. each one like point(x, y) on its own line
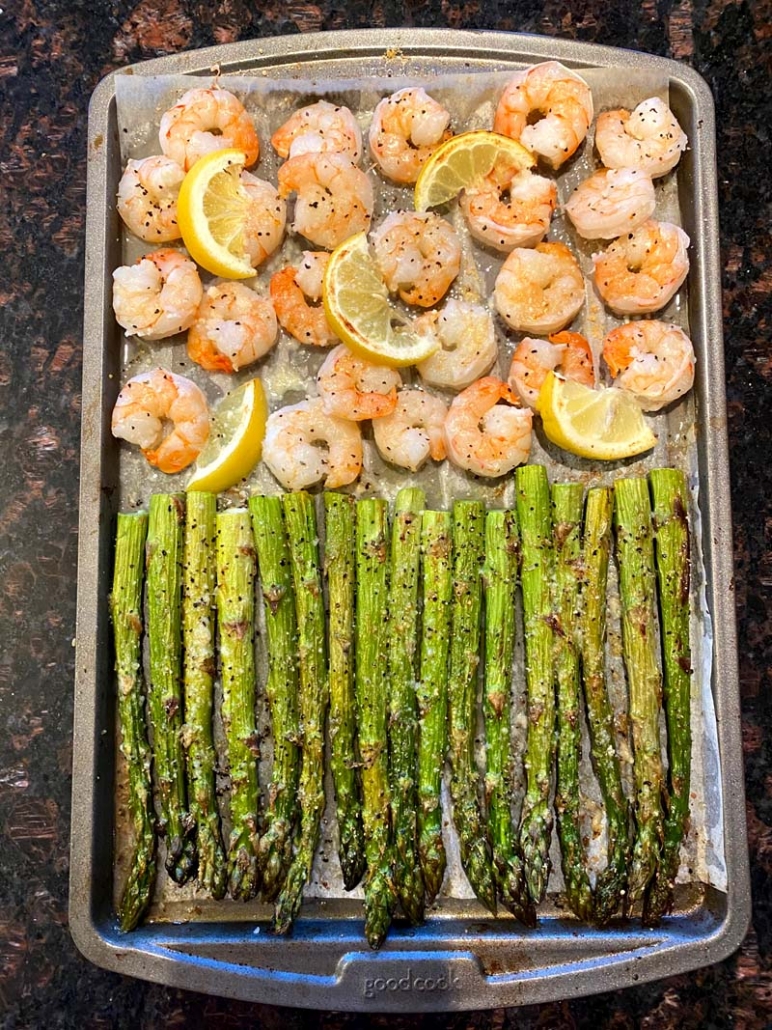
point(52, 54)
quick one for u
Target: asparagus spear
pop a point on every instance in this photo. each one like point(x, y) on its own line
point(403, 714)
point(671, 542)
point(300, 519)
point(236, 613)
point(371, 696)
point(500, 580)
point(164, 594)
point(126, 607)
point(468, 557)
point(275, 848)
point(340, 567)
point(567, 504)
point(432, 688)
point(198, 634)
point(635, 556)
point(596, 547)
point(534, 517)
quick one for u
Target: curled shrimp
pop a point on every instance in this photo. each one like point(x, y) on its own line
point(419, 255)
point(266, 218)
point(334, 197)
point(413, 432)
point(158, 296)
point(304, 446)
point(533, 359)
point(652, 360)
point(147, 198)
point(643, 270)
point(558, 99)
point(354, 389)
point(648, 138)
point(319, 128)
point(611, 202)
point(467, 339)
point(485, 436)
point(149, 404)
point(233, 327)
point(510, 207)
point(539, 290)
point(205, 120)
point(406, 129)
point(296, 293)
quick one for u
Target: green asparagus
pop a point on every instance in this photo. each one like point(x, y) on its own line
point(164, 594)
point(340, 568)
point(273, 559)
point(236, 617)
point(635, 557)
point(671, 543)
point(300, 519)
point(126, 608)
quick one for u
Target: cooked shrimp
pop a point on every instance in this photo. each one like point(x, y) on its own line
point(319, 128)
point(413, 431)
point(510, 208)
point(233, 328)
point(539, 290)
point(533, 359)
point(467, 339)
point(354, 389)
point(648, 138)
point(204, 120)
point(611, 202)
point(419, 255)
point(654, 361)
point(334, 197)
point(265, 221)
point(158, 296)
point(643, 270)
point(149, 404)
point(484, 436)
point(296, 293)
point(147, 198)
point(407, 128)
point(558, 99)
point(303, 446)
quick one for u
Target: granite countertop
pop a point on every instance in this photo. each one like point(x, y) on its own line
point(52, 54)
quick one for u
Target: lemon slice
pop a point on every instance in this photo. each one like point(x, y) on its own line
point(236, 439)
point(463, 160)
point(211, 212)
point(358, 308)
point(605, 424)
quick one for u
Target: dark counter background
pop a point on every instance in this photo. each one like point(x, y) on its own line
point(52, 54)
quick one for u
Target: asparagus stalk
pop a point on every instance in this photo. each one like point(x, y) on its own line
point(126, 607)
point(372, 702)
point(236, 615)
point(671, 543)
point(436, 547)
point(164, 593)
point(403, 713)
point(198, 635)
point(534, 517)
point(468, 557)
point(340, 568)
point(567, 505)
point(273, 557)
point(500, 580)
point(300, 519)
point(596, 547)
point(635, 556)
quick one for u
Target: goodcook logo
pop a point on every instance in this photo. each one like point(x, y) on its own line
point(377, 986)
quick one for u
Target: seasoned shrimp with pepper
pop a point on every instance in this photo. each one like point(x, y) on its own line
point(334, 197)
point(611, 202)
point(419, 256)
point(566, 352)
point(355, 389)
point(467, 338)
point(266, 217)
point(296, 293)
point(510, 207)
point(304, 446)
point(643, 270)
point(539, 290)
point(413, 432)
point(406, 129)
point(205, 120)
point(233, 328)
point(158, 296)
point(147, 198)
point(652, 360)
point(319, 128)
point(648, 138)
point(486, 431)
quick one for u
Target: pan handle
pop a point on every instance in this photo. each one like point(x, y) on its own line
point(410, 980)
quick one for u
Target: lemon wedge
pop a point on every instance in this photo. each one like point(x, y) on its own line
point(606, 424)
point(360, 312)
point(211, 212)
point(464, 160)
point(235, 441)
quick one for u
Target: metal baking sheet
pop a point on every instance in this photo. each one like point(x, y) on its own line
point(462, 957)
